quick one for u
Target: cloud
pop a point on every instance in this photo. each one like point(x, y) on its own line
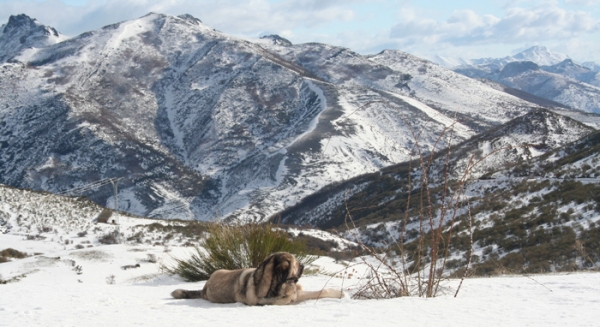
point(234, 17)
point(355, 24)
point(518, 25)
point(583, 2)
point(250, 18)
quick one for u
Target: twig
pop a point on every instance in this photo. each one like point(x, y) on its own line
point(537, 282)
point(470, 249)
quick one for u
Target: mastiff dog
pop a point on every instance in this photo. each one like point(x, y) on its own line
point(275, 281)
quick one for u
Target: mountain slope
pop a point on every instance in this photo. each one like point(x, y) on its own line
point(543, 73)
point(536, 215)
point(541, 56)
point(199, 124)
point(538, 54)
point(570, 69)
point(382, 196)
point(443, 91)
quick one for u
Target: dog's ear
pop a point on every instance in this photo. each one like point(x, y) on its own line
point(263, 276)
point(282, 268)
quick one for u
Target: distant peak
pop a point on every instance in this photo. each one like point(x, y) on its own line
point(567, 62)
point(537, 48)
point(152, 13)
point(20, 21)
point(541, 56)
point(277, 40)
point(190, 18)
point(23, 23)
point(591, 65)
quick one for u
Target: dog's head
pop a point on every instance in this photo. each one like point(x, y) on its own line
point(277, 275)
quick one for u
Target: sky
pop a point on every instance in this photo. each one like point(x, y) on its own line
point(466, 29)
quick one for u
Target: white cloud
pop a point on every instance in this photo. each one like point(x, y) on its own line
point(234, 17)
point(518, 25)
point(583, 2)
point(467, 33)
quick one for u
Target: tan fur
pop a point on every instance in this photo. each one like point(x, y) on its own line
point(273, 282)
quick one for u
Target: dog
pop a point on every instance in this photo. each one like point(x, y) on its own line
point(274, 282)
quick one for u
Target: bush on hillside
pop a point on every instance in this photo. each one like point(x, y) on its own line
point(8, 253)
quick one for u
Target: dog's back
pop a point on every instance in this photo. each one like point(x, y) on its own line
point(274, 282)
point(222, 287)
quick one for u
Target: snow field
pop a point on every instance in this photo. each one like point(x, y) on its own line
point(53, 294)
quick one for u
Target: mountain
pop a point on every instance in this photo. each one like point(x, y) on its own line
point(591, 65)
point(183, 121)
point(537, 54)
point(23, 35)
point(472, 102)
point(449, 62)
point(541, 56)
point(531, 204)
point(566, 82)
point(513, 143)
point(201, 125)
point(543, 73)
point(578, 72)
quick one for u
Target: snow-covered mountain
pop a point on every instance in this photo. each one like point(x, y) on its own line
point(543, 73)
point(591, 65)
point(513, 143)
point(199, 124)
point(522, 208)
point(578, 72)
point(541, 55)
point(24, 36)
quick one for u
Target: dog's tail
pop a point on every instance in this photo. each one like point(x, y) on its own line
point(185, 294)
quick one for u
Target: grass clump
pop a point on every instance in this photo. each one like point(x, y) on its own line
point(7, 254)
point(236, 247)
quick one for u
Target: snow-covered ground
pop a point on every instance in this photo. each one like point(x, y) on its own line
point(53, 293)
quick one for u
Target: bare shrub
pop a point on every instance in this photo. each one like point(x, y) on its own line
point(420, 270)
point(110, 238)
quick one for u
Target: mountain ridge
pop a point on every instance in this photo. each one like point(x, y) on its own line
point(543, 73)
point(202, 125)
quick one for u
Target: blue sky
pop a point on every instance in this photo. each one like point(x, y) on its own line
point(458, 28)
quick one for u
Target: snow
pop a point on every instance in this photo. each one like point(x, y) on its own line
point(322, 101)
point(53, 294)
point(130, 29)
point(60, 285)
point(462, 130)
point(541, 55)
point(438, 87)
point(246, 116)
